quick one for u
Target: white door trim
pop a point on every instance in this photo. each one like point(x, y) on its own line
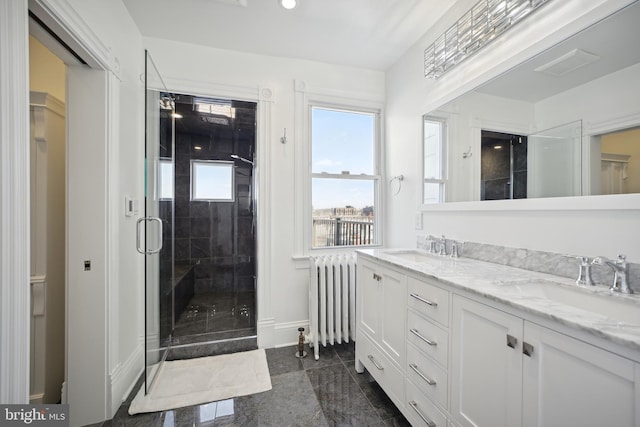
point(14, 202)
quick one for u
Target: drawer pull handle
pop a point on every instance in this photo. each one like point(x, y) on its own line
point(423, 338)
point(414, 405)
point(377, 277)
point(421, 375)
point(381, 368)
point(527, 349)
point(512, 341)
point(426, 301)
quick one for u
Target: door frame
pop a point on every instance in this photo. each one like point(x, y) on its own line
point(62, 18)
point(14, 202)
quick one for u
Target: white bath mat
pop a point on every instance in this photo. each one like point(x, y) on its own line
point(190, 382)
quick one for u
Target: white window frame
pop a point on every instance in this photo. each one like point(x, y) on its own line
point(376, 177)
point(228, 164)
point(443, 158)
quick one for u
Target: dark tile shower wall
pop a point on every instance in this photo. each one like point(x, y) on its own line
point(217, 238)
point(496, 167)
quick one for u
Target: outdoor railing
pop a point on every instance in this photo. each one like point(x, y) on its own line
point(342, 232)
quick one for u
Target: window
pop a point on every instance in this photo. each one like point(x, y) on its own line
point(212, 181)
point(165, 179)
point(435, 131)
point(344, 177)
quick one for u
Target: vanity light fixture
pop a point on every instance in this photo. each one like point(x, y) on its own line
point(176, 115)
point(288, 4)
point(485, 21)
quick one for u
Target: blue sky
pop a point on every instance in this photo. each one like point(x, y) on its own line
point(342, 141)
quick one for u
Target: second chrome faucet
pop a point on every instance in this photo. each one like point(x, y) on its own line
point(620, 272)
point(439, 246)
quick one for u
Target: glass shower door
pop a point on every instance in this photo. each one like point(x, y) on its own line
point(554, 162)
point(157, 223)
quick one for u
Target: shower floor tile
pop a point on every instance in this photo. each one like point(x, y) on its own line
point(215, 312)
point(304, 393)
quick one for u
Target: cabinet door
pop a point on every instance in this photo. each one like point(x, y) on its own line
point(368, 309)
point(394, 312)
point(567, 382)
point(486, 365)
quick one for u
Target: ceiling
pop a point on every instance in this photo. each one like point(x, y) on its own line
point(370, 34)
point(614, 40)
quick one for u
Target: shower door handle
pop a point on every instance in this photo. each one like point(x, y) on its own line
point(138, 240)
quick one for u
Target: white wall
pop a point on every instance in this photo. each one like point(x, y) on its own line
point(46, 71)
point(582, 226)
point(195, 69)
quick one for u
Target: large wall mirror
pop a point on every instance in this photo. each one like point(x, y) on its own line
point(564, 123)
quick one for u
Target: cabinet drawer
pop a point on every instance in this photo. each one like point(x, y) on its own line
point(421, 410)
point(427, 376)
point(428, 337)
point(429, 300)
point(386, 374)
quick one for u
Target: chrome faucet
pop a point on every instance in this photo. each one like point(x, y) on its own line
point(443, 246)
point(431, 241)
point(620, 272)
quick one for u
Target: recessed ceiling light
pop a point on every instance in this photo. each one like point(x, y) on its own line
point(288, 4)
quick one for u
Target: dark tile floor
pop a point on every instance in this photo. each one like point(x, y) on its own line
point(305, 392)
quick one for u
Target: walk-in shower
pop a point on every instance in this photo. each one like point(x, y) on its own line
point(214, 227)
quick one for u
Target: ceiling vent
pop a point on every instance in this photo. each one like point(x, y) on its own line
point(567, 63)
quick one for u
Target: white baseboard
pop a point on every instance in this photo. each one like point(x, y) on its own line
point(36, 399)
point(264, 329)
point(286, 333)
point(124, 377)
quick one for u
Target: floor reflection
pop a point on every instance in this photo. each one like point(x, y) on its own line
point(305, 392)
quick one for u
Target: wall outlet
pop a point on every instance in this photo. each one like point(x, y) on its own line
point(419, 221)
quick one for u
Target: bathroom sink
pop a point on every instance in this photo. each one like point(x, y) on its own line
point(616, 307)
point(413, 256)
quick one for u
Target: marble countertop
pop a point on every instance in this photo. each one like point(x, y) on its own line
point(524, 290)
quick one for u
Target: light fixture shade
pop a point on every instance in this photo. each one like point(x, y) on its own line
point(475, 29)
point(288, 4)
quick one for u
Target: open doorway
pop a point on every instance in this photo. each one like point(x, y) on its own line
point(619, 154)
point(47, 147)
point(84, 199)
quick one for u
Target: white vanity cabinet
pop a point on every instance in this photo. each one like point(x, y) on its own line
point(486, 365)
point(569, 382)
point(506, 371)
point(381, 318)
point(450, 357)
